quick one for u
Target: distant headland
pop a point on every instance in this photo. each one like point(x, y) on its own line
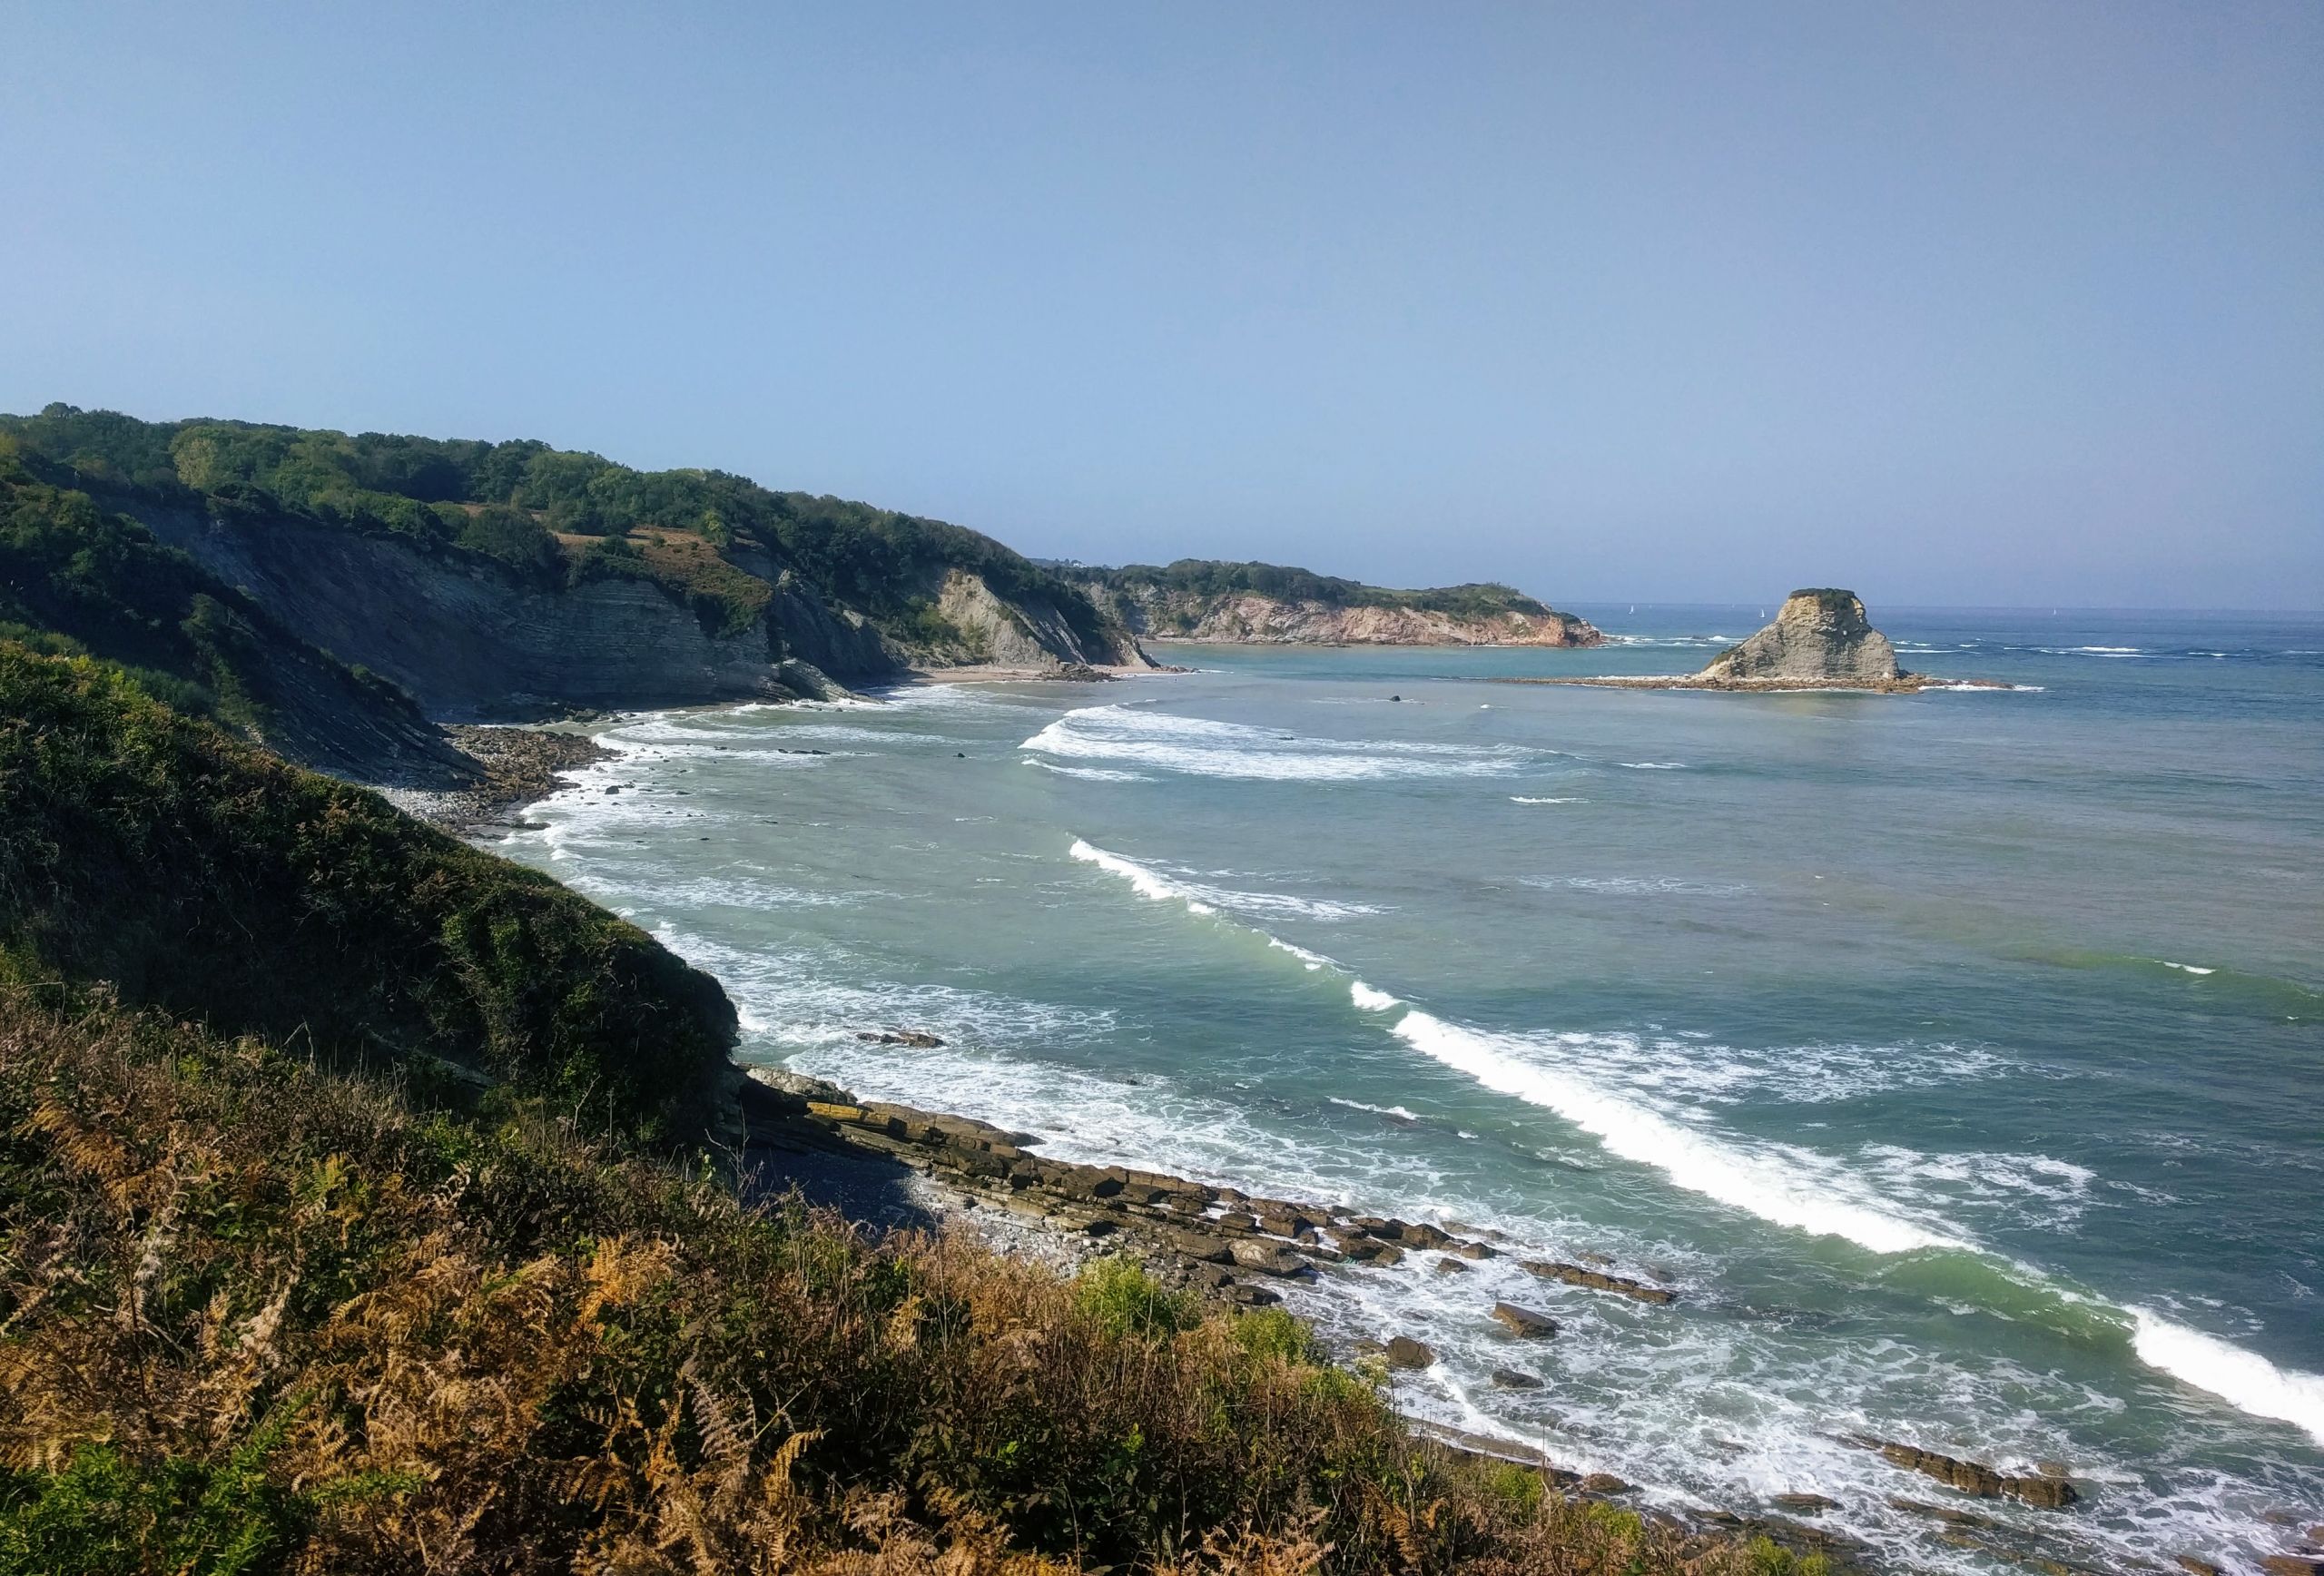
point(1213, 602)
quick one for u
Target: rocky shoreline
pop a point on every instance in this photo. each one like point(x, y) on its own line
point(1246, 1250)
point(520, 766)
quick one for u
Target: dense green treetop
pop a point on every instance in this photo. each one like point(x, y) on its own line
point(504, 500)
point(1215, 577)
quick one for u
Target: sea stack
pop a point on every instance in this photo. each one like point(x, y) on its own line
point(1819, 634)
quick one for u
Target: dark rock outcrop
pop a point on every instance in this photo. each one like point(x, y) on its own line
point(1821, 633)
point(1973, 1477)
point(1526, 1323)
point(1403, 1352)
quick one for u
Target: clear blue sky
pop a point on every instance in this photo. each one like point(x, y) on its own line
point(1952, 302)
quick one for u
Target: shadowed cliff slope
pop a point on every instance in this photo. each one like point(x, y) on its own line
point(77, 577)
point(510, 579)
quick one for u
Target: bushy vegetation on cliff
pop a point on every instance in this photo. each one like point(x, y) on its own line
point(187, 870)
point(1213, 577)
point(257, 1317)
point(511, 501)
point(79, 578)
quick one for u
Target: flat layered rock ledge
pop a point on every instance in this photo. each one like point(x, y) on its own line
point(1233, 1245)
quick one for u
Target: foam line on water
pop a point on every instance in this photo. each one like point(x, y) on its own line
point(1133, 735)
point(1150, 884)
point(1759, 1184)
point(2245, 1380)
point(1091, 774)
point(1204, 898)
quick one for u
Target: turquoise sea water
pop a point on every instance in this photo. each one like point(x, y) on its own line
point(1959, 1057)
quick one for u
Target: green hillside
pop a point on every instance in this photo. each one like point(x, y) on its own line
point(187, 870)
point(78, 577)
point(545, 515)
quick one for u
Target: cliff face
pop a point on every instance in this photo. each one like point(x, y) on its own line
point(1819, 634)
point(471, 642)
point(1249, 618)
point(1026, 632)
point(77, 579)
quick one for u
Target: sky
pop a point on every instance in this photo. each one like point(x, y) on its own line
point(1986, 302)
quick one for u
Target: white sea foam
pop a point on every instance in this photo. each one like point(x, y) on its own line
point(1399, 1112)
point(1781, 1186)
point(849, 733)
point(1564, 799)
point(1199, 746)
point(1639, 886)
point(2185, 968)
point(1652, 765)
point(2036, 1189)
point(1091, 774)
point(1203, 897)
point(1147, 883)
point(1370, 1000)
point(1312, 961)
point(2244, 1379)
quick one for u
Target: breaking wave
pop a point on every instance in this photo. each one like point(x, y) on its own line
point(1196, 746)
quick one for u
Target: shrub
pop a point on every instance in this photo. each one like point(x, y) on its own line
point(189, 870)
point(1121, 1299)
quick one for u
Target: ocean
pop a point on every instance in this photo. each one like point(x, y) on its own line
point(1959, 1056)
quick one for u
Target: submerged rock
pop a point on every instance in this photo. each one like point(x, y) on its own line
point(1513, 1379)
point(1524, 1322)
point(1819, 634)
point(1403, 1352)
point(1596, 1280)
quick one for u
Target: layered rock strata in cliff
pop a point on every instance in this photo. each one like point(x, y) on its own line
point(472, 642)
